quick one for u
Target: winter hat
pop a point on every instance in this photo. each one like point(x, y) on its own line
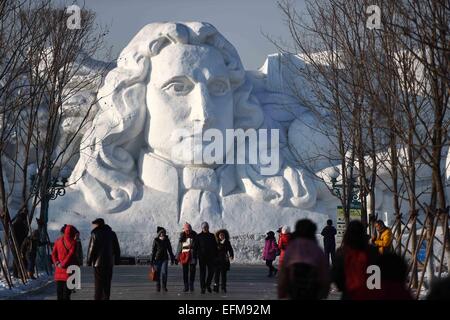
point(270, 234)
point(160, 230)
point(285, 230)
point(205, 225)
point(187, 226)
point(99, 221)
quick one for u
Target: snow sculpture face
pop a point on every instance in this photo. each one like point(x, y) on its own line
point(189, 92)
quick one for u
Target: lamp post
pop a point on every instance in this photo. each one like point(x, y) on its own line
point(355, 201)
point(56, 187)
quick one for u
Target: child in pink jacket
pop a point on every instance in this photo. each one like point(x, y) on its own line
point(270, 252)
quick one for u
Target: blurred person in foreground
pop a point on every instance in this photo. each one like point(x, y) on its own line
point(304, 274)
point(349, 272)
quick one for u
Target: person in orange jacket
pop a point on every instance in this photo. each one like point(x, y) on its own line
point(383, 240)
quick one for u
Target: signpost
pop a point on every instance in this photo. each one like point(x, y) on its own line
point(355, 214)
point(355, 208)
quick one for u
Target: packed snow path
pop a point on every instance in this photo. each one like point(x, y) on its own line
point(131, 283)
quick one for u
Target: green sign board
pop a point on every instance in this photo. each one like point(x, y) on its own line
point(355, 214)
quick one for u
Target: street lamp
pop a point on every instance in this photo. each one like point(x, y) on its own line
point(55, 188)
point(354, 190)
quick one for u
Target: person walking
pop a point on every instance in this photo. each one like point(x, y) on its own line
point(383, 240)
point(283, 241)
point(329, 242)
point(161, 252)
point(29, 250)
point(63, 256)
point(20, 229)
point(207, 254)
point(187, 256)
point(225, 254)
point(79, 249)
point(349, 271)
point(305, 274)
point(270, 252)
point(103, 253)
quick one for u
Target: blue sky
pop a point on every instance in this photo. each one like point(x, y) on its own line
point(242, 22)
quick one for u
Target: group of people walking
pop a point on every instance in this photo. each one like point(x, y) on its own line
point(306, 273)
point(213, 252)
point(305, 268)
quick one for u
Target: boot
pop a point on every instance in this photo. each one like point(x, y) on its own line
point(186, 287)
point(191, 287)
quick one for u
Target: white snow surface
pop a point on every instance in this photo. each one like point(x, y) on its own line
point(247, 221)
point(19, 288)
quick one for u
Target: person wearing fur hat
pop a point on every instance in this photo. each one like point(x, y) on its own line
point(283, 241)
point(224, 255)
point(187, 256)
point(161, 252)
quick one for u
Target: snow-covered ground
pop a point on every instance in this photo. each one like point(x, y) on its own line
point(20, 288)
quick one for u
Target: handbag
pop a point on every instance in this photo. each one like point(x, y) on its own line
point(152, 274)
point(185, 256)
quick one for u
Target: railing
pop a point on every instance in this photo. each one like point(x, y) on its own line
point(409, 250)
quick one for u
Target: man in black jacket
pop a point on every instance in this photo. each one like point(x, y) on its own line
point(329, 243)
point(207, 253)
point(103, 253)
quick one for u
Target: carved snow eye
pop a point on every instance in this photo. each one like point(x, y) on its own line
point(179, 86)
point(218, 87)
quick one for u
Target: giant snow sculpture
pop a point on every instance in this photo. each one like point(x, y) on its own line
point(136, 173)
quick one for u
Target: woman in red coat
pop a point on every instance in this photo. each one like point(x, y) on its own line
point(283, 241)
point(64, 255)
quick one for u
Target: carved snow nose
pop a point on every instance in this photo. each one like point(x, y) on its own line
point(200, 105)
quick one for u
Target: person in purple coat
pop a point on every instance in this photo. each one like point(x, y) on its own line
point(270, 252)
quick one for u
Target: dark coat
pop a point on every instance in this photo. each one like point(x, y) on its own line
point(206, 247)
point(162, 250)
point(224, 250)
point(104, 249)
point(79, 251)
point(328, 233)
point(20, 228)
